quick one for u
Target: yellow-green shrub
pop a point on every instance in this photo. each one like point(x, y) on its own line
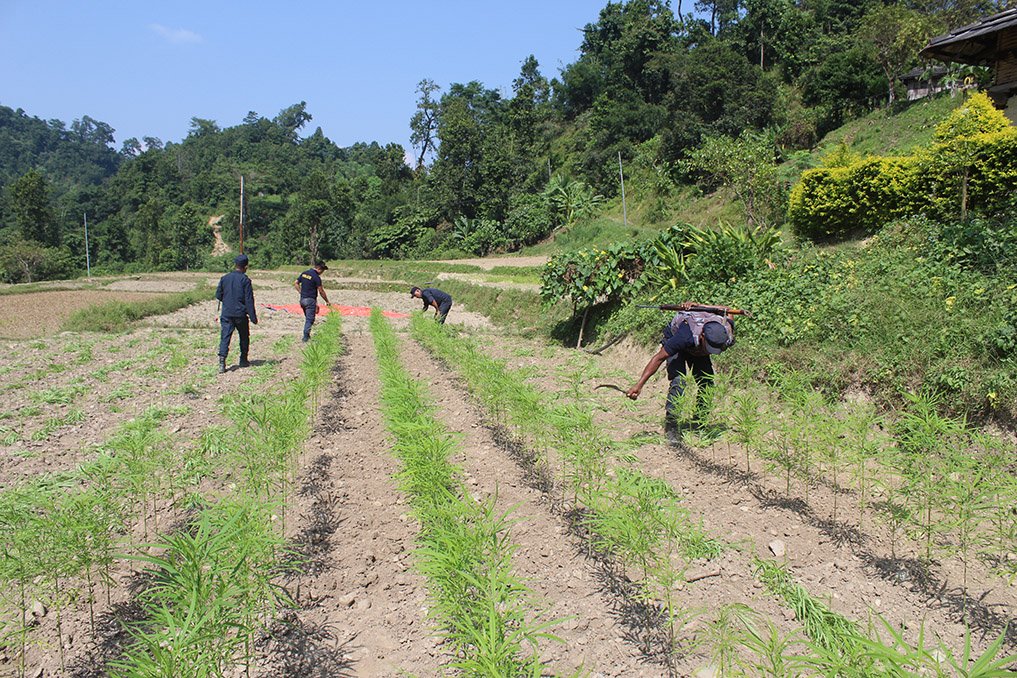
point(859, 198)
point(976, 116)
point(986, 163)
point(963, 172)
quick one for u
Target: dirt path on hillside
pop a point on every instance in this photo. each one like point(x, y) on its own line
point(363, 604)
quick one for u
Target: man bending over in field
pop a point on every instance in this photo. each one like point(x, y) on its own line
point(690, 338)
point(441, 301)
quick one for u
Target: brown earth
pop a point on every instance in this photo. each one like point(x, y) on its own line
point(362, 605)
point(359, 588)
point(838, 558)
point(570, 587)
point(40, 314)
point(488, 263)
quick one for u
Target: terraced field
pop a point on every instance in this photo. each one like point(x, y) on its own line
point(398, 497)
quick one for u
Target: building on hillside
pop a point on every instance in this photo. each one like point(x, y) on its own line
point(922, 82)
point(990, 42)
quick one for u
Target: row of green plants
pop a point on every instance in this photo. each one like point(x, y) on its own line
point(635, 521)
point(465, 548)
point(64, 535)
point(837, 646)
point(928, 477)
point(214, 586)
point(970, 167)
point(736, 639)
point(61, 534)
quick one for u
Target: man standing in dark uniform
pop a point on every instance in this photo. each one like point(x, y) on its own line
point(441, 301)
point(237, 296)
point(309, 285)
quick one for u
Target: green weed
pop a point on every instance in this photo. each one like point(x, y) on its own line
point(465, 551)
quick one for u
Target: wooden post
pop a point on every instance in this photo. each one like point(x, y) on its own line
point(241, 213)
point(582, 328)
point(88, 258)
point(621, 175)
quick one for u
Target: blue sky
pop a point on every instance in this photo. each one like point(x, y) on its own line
point(147, 68)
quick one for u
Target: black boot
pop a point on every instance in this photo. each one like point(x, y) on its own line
point(243, 362)
point(222, 364)
point(672, 431)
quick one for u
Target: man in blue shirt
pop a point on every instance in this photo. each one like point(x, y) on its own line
point(309, 285)
point(441, 301)
point(690, 338)
point(237, 296)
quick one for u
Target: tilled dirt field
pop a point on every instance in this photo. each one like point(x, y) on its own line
point(361, 605)
point(40, 314)
point(842, 560)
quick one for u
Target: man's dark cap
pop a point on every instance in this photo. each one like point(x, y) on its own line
point(321, 264)
point(413, 290)
point(716, 337)
point(241, 260)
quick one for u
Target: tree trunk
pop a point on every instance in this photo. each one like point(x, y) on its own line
point(313, 244)
point(582, 328)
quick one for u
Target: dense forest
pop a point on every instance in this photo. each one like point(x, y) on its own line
point(657, 88)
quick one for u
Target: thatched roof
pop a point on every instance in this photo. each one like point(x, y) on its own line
point(972, 44)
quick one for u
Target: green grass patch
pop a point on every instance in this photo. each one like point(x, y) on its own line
point(57, 395)
point(117, 316)
point(8, 435)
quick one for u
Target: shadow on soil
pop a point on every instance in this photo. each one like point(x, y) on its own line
point(916, 574)
point(644, 622)
point(112, 637)
point(302, 650)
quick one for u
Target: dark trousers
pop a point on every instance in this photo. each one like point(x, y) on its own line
point(242, 327)
point(310, 307)
point(443, 310)
point(702, 372)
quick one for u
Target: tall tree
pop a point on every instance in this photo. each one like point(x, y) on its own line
point(190, 237)
point(896, 34)
point(292, 118)
point(33, 213)
point(723, 13)
point(424, 123)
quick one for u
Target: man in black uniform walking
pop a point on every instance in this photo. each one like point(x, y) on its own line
point(309, 285)
point(441, 301)
point(237, 296)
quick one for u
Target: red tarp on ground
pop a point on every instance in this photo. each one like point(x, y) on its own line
point(361, 311)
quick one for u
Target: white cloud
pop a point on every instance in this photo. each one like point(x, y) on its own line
point(176, 36)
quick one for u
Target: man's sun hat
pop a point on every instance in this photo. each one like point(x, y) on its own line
point(715, 337)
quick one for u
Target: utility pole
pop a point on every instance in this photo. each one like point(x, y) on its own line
point(241, 213)
point(88, 257)
point(621, 175)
